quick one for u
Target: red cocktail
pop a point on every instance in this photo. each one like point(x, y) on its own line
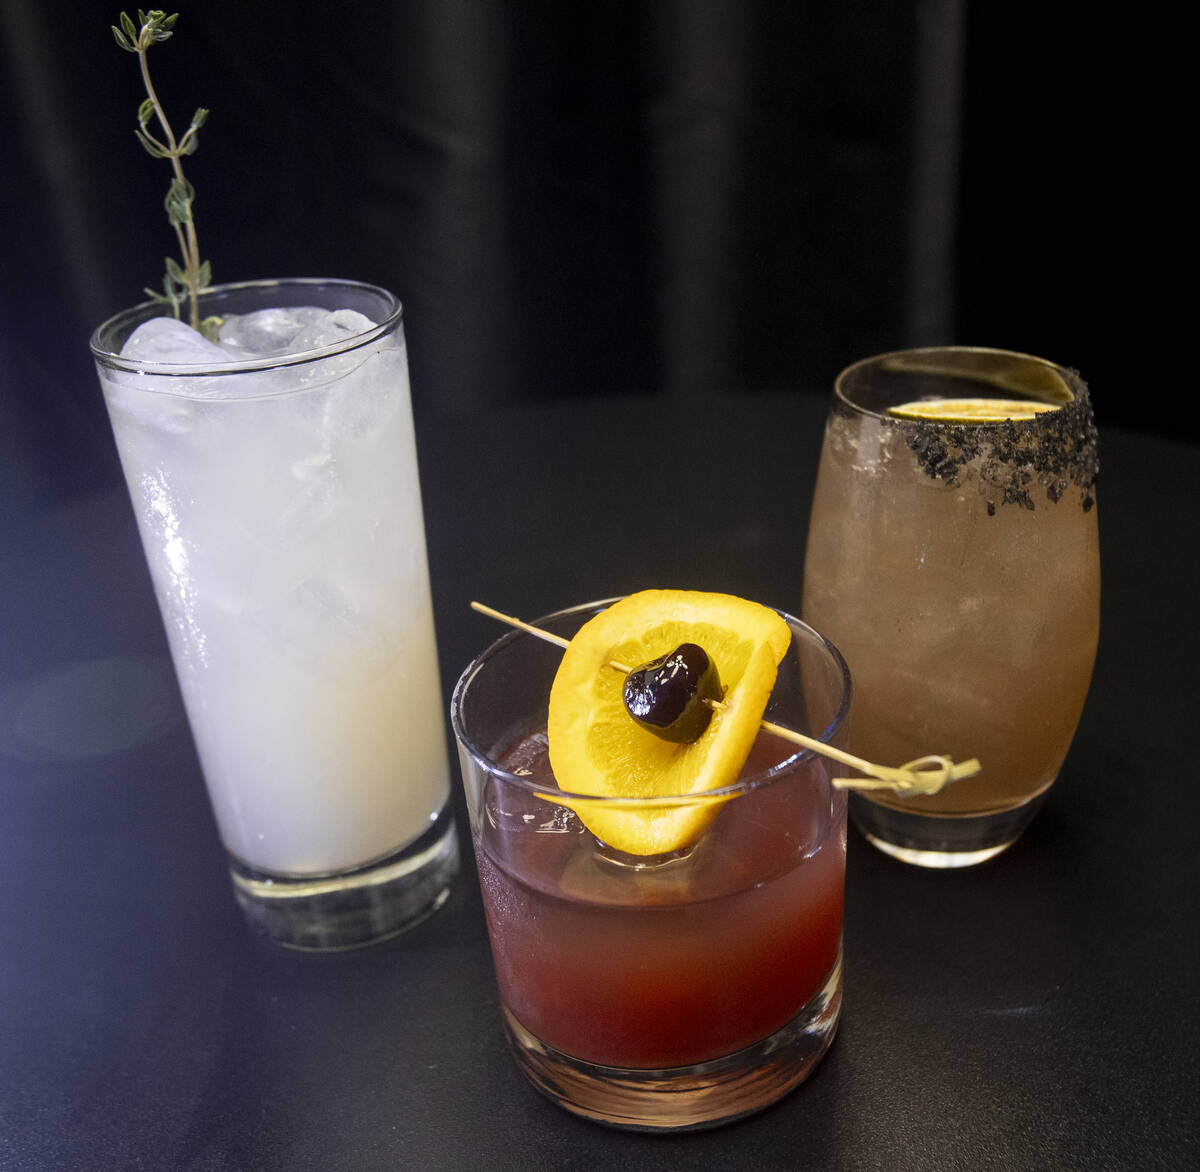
point(661, 991)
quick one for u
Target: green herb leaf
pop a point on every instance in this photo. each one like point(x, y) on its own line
point(159, 24)
point(153, 148)
point(171, 296)
point(179, 202)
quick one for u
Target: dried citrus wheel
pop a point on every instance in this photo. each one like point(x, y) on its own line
point(597, 748)
point(971, 410)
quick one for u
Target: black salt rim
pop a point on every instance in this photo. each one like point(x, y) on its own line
point(1054, 449)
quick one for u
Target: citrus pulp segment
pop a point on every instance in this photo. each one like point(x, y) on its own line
point(596, 748)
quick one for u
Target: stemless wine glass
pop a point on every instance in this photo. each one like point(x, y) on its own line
point(956, 565)
point(661, 992)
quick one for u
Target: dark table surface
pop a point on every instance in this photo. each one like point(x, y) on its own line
point(1038, 1011)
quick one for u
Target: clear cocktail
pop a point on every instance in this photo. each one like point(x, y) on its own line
point(663, 991)
point(956, 565)
point(275, 485)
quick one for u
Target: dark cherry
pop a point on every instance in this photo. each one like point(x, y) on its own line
point(667, 696)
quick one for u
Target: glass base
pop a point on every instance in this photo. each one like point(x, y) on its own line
point(685, 1098)
point(352, 908)
point(941, 840)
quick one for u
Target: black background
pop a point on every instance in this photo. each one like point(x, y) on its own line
point(614, 198)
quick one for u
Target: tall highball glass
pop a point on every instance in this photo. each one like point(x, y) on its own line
point(956, 564)
point(662, 992)
point(280, 513)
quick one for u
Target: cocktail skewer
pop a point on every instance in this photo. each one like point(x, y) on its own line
point(925, 775)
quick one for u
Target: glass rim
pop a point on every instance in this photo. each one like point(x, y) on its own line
point(145, 310)
point(1075, 384)
point(650, 801)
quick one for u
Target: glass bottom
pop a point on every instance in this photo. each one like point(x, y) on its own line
point(685, 1098)
point(942, 840)
point(352, 908)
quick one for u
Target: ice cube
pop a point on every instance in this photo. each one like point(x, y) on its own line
point(129, 405)
point(330, 328)
point(271, 333)
point(168, 342)
point(527, 754)
point(322, 628)
point(165, 340)
point(364, 402)
point(286, 504)
point(266, 333)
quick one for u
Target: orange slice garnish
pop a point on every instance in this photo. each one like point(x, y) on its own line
point(597, 749)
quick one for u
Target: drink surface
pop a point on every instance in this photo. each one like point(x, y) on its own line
point(678, 961)
point(969, 620)
point(281, 516)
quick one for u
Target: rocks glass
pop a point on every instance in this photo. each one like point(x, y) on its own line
point(659, 992)
point(956, 565)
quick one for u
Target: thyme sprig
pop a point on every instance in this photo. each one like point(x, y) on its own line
point(188, 279)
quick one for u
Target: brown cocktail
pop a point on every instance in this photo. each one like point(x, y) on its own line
point(953, 557)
